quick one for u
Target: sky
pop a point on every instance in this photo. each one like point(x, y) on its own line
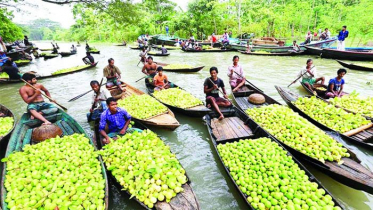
point(59, 13)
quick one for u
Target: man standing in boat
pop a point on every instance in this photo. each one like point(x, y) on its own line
point(211, 89)
point(335, 87)
point(236, 75)
point(341, 38)
point(112, 74)
point(309, 77)
point(36, 105)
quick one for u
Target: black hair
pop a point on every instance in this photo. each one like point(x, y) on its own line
point(326, 29)
point(94, 82)
point(109, 100)
point(159, 68)
point(341, 70)
point(214, 69)
point(344, 26)
point(162, 45)
point(88, 53)
point(309, 60)
point(150, 57)
point(295, 41)
point(236, 56)
point(110, 59)
point(28, 76)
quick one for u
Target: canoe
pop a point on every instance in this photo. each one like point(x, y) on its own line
point(137, 48)
point(355, 66)
point(22, 136)
point(158, 54)
point(167, 47)
point(193, 69)
point(22, 62)
point(273, 54)
point(48, 56)
point(341, 55)
point(186, 200)
point(362, 136)
point(236, 126)
point(350, 173)
point(196, 111)
point(206, 51)
point(7, 113)
point(6, 81)
point(45, 49)
point(64, 54)
point(95, 51)
point(120, 45)
point(319, 93)
point(166, 120)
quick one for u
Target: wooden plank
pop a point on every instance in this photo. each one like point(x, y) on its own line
point(179, 202)
point(240, 124)
point(227, 129)
point(238, 128)
point(357, 130)
point(234, 128)
point(214, 129)
point(231, 128)
point(352, 164)
point(189, 195)
point(222, 135)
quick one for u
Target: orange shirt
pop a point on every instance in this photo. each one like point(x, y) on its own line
point(159, 80)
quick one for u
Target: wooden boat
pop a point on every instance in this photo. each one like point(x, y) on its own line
point(193, 69)
point(186, 200)
point(22, 136)
point(22, 62)
point(236, 126)
point(196, 111)
point(350, 172)
point(45, 49)
point(94, 51)
point(137, 48)
point(341, 55)
point(362, 136)
point(355, 66)
point(48, 56)
point(166, 120)
point(205, 51)
point(158, 54)
point(272, 54)
point(167, 47)
point(120, 45)
point(64, 54)
point(7, 113)
point(7, 81)
point(315, 91)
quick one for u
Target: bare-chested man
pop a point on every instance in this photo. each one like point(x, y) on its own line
point(36, 105)
point(150, 67)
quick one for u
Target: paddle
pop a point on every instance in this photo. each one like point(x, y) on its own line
point(81, 95)
point(218, 88)
point(94, 102)
point(142, 78)
point(249, 82)
point(64, 108)
point(299, 77)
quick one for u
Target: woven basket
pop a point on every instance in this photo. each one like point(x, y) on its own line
point(44, 132)
point(256, 98)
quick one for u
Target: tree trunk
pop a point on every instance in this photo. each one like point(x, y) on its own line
point(239, 18)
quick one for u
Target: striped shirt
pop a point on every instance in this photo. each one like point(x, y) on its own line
point(115, 121)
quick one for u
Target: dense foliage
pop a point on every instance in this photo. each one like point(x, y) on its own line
point(8, 30)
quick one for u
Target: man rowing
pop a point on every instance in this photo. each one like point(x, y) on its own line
point(112, 74)
point(88, 59)
point(36, 105)
point(143, 54)
point(335, 86)
point(149, 67)
point(211, 89)
point(12, 71)
point(163, 49)
point(99, 101)
point(309, 77)
point(236, 75)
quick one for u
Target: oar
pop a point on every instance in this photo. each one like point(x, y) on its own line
point(94, 102)
point(81, 95)
point(218, 88)
point(299, 77)
point(64, 108)
point(142, 78)
point(248, 82)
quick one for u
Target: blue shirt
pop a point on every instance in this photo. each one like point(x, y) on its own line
point(115, 121)
point(342, 35)
point(167, 29)
point(337, 84)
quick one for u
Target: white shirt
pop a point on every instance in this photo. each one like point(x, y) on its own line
point(104, 94)
point(307, 75)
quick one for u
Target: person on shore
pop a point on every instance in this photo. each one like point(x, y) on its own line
point(343, 34)
point(325, 35)
point(211, 89)
point(112, 74)
point(88, 59)
point(163, 49)
point(150, 67)
point(236, 75)
point(114, 121)
point(296, 47)
point(335, 86)
point(12, 71)
point(143, 55)
point(161, 80)
point(36, 105)
point(309, 77)
point(100, 101)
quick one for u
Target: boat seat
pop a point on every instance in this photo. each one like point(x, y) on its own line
point(230, 128)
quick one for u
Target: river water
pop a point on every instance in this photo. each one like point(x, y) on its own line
point(190, 142)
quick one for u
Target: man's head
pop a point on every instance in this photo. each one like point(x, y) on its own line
point(95, 85)
point(341, 72)
point(160, 70)
point(344, 28)
point(235, 59)
point(214, 72)
point(326, 29)
point(294, 42)
point(309, 62)
point(309, 32)
point(150, 59)
point(111, 62)
point(112, 104)
point(30, 78)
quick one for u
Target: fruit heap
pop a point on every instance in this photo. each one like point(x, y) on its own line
point(6, 123)
point(334, 118)
point(355, 103)
point(22, 61)
point(177, 97)
point(153, 52)
point(261, 52)
point(270, 178)
point(296, 132)
point(178, 66)
point(145, 167)
point(48, 54)
point(321, 88)
point(59, 172)
point(4, 75)
point(76, 68)
point(142, 106)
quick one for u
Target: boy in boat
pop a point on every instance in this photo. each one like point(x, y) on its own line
point(88, 59)
point(12, 71)
point(112, 74)
point(163, 49)
point(100, 101)
point(309, 77)
point(36, 105)
point(149, 67)
point(211, 89)
point(114, 121)
point(335, 87)
point(161, 80)
point(236, 75)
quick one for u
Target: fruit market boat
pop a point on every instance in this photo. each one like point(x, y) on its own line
point(317, 91)
point(208, 50)
point(341, 55)
point(191, 69)
point(186, 200)
point(167, 47)
point(272, 53)
point(6, 113)
point(196, 111)
point(22, 136)
point(48, 56)
point(236, 126)
point(158, 54)
point(120, 45)
point(22, 62)
point(82, 68)
point(353, 66)
point(65, 54)
point(362, 136)
point(136, 48)
point(45, 49)
point(165, 120)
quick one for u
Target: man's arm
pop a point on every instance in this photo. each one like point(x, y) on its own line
point(340, 90)
point(332, 89)
point(208, 90)
point(26, 98)
point(144, 70)
point(125, 127)
point(45, 90)
point(102, 128)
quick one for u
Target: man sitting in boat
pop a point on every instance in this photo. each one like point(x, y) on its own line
point(211, 89)
point(335, 86)
point(12, 71)
point(87, 47)
point(309, 77)
point(73, 49)
point(100, 101)
point(143, 54)
point(325, 35)
point(160, 80)
point(112, 74)
point(295, 46)
point(114, 121)
point(88, 59)
point(163, 49)
point(308, 38)
point(35, 53)
point(236, 75)
point(149, 67)
point(54, 51)
point(36, 105)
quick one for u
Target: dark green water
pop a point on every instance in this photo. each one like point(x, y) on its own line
point(191, 141)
